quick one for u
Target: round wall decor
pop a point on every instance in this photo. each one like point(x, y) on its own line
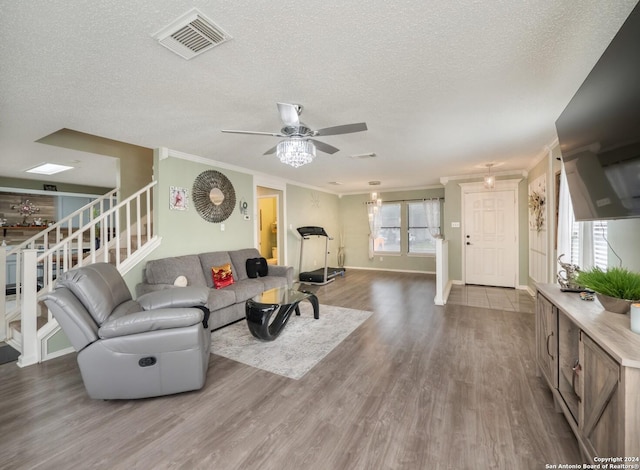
point(213, 196)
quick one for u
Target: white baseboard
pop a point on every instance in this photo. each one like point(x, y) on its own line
point(529, 290)
point(392, 270)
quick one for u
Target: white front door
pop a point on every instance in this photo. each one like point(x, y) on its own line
point(489, 238)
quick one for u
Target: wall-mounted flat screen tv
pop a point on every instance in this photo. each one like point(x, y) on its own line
point(599, 132)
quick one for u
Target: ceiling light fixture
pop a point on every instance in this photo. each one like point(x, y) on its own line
point(296, 151)
point(489, 179)
point(375, 199)
point(49, 169)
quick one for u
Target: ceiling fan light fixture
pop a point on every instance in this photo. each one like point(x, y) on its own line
point(296, 152)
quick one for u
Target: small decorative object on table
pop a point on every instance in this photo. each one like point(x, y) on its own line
point(567, 276)
point(616, 288)
point(635, 317)
point(586, 295)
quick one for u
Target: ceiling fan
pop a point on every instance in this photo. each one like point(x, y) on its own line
point(297, 132)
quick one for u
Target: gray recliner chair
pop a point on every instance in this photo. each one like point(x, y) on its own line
point(155, 345)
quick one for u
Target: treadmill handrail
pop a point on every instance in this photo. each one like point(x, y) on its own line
point(311, 230)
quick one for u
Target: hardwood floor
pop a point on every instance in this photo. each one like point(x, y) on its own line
point(414, 387)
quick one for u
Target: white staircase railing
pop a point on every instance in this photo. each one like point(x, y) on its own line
point(48, 236)
point(112, 234)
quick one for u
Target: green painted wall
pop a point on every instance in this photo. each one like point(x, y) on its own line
point(355, 224)
point(307, 207)
point(185, 232)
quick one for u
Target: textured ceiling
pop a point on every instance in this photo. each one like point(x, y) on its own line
point(444, 86)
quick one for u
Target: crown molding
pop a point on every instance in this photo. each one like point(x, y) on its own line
point(446, 179)
point(262, 178)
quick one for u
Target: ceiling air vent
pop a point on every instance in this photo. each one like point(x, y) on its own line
point(191, 35)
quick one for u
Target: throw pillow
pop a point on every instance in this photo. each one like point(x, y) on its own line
point(252, 265)
point(222, 276)
point(263, 270)
point(181, 281)
point(257, 267)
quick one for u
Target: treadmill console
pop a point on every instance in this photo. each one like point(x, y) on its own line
point(308, 231)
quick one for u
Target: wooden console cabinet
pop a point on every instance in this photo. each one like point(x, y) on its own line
point(590, 359)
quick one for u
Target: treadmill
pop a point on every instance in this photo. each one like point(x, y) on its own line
point(319, 276)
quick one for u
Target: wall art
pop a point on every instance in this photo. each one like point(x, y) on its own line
point(213, 196)
point(178, 198)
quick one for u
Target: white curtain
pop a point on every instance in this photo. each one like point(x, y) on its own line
point(373, 211)
point(566, 222)
point(431, 209)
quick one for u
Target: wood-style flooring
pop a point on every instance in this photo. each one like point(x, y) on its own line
point(414, 387)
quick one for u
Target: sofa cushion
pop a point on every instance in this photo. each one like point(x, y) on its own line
point(166, 270)
point(99, 287)
point(246, 289)
point(220, 298)
point(222, 276)
point(211, 259)
point(239, 259)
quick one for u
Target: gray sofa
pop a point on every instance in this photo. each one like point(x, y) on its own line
point(226, 304)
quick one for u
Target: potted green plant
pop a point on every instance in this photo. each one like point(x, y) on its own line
point(616, 288)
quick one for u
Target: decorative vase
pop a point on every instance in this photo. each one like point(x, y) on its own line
point(612, 304)
point(635, 317)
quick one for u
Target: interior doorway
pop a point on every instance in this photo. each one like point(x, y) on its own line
point(269, 224)
point(490, 237)
point(268, 215)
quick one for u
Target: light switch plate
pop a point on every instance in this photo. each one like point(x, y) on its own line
point(455, 224)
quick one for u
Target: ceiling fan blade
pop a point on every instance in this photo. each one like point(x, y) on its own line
point(273, 134)
point(289, 113)
point(326, 148)
point(344, 129)
point(271, 150)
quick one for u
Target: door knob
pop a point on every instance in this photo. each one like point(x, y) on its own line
point(468, 243)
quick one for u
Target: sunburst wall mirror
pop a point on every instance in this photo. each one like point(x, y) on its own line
point(213, 196)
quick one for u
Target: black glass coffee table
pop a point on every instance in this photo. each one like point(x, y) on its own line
point(285, 301)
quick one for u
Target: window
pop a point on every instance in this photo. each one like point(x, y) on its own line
point(585, 242)
point(423, 226)
point(387, 236)
point(600, 248)
point(581, 232)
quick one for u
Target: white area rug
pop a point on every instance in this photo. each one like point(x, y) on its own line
point(301, 345)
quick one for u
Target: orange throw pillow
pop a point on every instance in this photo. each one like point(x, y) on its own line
point(222, 276)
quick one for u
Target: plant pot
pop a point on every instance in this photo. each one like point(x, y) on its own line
point(612, 304)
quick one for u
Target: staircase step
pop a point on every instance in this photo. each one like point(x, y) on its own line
point(17, 324)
